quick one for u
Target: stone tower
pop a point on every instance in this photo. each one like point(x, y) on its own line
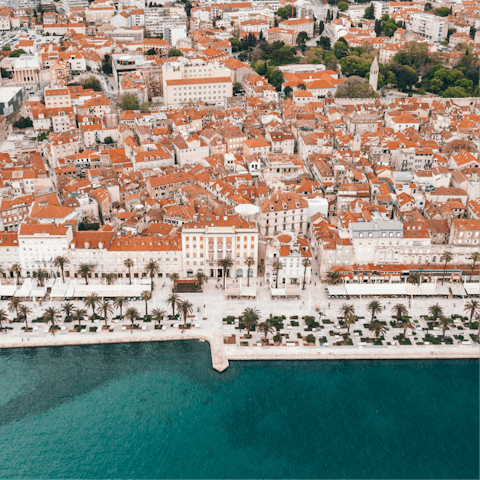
point(373, 80)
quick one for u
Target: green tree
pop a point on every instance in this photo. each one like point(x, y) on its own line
point(340, 49)
point(25, 311)
point(378, 28)
point(226, 264)
point(413, 54)
point(415, 278)
point(435, 311)
point(428, 7)
point(445, 324)
point(120, 303)
point(84, 271)
point(107, 65)
point(91, 302)
point(13, 305)
point(152, 51)
point(406, 76)
point(374, 307)
point(51, 315)
point(151, 269)
point(277, 266)
point(325, 43)
point(406, 324)
point(23, 122)
point(186, 308)
point(369, 12)
point(174, 52)
point(473, 307)
point(399, 310)
point(106, 309)
point(93, 83)
point(321, 27)
point(302, 40)
point(40, 274)
point(158, 315)
point(288, 92)
point(474, 258)
point(132, 315)
point(276, 79)
point(6, 48)
point(306, 262)
point(250, 318)
point(128, 101)
point(447, 257)
point(286, 12)
point(266, 327)
point(129, 264)
point(3, 317)
point(17, 53)
point(68, 309)
point(442, 11)
point(59, 262)
point(174, 279)
point(343, 6)
point(377, 328)
point(455, 92)
point(108, 140)
point(173, 299)
point(146, 296)
point(355, 87)
point(236, 44)
point(333, 278)
point(145, 107)
point(200, 279)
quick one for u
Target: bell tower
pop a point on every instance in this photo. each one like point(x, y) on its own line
point(373, 80)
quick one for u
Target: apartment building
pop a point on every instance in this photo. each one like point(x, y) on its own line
point(39, 244)
point(191, 81)
point(211, 239)
point(298, 25)
point(429, 26)
point(166, 185)
point(285, 211)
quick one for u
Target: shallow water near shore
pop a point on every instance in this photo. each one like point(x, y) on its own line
point(159, 410)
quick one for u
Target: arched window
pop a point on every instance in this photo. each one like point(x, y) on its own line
point(189, 273)
point(240, 272)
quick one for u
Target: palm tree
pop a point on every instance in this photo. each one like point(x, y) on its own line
point(350, 319)
point(13, 305)
point(151, 269)
point(146, 296)
point(106, 309)
point(250, 318)
point(110, 278)
point(435, 311)
point(377, 328)
point(249, 262)
point(277, 266)
point(16, 269)
point(266, 327)
point(79, 315)
point(200, 279)
point(60, 262)
point(132, 314)
point(25, 311)
point(446, 257)
point(3, 317)
point(473, 307)
point(474, 258)
point(158, 315)
point(399, 310)
point(406, 323)
point(2, 273)
point(84, 271)
point(174, 279)
point(120, 302)
point(346, 311)
point(40, 275)
point(226, 263)
point(51, 315)
point(333, 278)
point(374, 307)
point(415, 278)
point(129, 264)
point(186, 308)
point(306, 262)
point(445, 323)
point(173, 300)
point(68, 309)
point(91, 302)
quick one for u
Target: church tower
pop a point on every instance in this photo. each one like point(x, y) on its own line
point(373, 80)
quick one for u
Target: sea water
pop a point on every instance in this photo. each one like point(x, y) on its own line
point(159, 410)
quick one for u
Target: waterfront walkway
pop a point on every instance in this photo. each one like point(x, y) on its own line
point(227, 342)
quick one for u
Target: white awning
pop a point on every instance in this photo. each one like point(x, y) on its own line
point(457, 289)
point(472, 288)
point(278, 292)
point(336, 290)
point(248, 291)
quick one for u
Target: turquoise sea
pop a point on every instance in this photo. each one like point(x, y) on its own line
point(159, 410)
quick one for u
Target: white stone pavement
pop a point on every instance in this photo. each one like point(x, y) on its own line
point(212, 307)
